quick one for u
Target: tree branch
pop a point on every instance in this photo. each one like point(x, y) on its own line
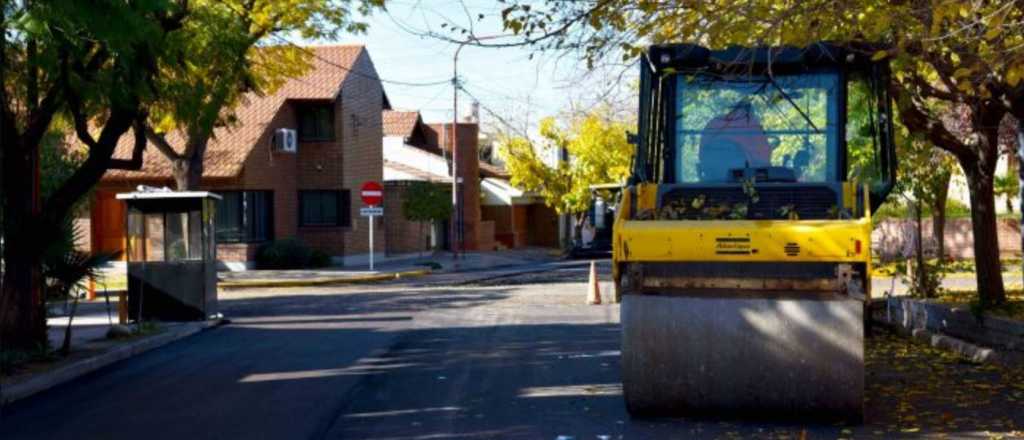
point(917, 120)
point(135, 162)
point(928, 90)
point(41, 116)
point(161, 144)
point(60, 203)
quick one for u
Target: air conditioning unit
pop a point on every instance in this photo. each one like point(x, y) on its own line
point(285, 140)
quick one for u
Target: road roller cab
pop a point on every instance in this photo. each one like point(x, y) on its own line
point(742, 243)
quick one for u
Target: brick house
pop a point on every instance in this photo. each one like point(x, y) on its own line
point(494, 213)
point(310, 194)
point(416, 151)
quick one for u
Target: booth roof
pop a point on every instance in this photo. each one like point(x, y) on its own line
point(156, 195)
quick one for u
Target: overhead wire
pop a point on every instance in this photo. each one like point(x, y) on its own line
point(372, 76)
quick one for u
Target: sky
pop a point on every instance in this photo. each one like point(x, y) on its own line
point(505, 81)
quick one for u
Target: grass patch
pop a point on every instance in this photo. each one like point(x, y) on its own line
point(112, 282)
point(893, 268)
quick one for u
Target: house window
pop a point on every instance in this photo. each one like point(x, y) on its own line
point(324, 208)
point(316, 122)
point(245, 216)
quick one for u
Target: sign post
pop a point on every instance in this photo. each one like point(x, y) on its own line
point(372, 194)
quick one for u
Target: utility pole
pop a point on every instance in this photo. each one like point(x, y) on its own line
point(457, 245)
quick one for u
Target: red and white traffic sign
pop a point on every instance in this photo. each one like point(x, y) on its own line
point(372, 193)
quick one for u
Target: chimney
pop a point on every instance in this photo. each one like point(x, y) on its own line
point(474, 112)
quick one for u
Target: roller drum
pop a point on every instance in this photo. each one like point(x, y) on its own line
point(741, 355)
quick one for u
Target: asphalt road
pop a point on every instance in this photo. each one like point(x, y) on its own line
point(517, 357)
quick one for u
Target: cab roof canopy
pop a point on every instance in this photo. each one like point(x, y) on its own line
point(758, 60)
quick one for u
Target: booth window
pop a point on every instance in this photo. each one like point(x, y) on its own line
point(324, 208)
point(245, 216)
point(165, 237)
point(316, 122)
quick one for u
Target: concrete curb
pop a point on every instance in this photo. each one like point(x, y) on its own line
point(510, 272)
point(975, 353)
point(964, 349)
point(49, 379)
point(321, 281)
point(968, 350)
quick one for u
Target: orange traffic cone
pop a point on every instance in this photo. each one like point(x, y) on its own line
point(593, 291)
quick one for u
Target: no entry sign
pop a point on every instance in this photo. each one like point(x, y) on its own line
point(372, 193)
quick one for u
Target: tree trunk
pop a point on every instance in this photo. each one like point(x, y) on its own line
point(920, 277)
point(986, 240)
point(187, 173)
point(939, 218)
point(65, 348)
point(22, 321)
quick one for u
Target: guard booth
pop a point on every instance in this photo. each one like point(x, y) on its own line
point(171, 252)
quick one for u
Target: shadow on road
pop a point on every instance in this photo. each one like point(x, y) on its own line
point(437, 363)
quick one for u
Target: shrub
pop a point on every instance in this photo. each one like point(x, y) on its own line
point(432, 265)
point(319, 258)
point(289, 253)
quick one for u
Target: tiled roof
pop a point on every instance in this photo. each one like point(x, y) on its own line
point(399, 123)
point(230, 146)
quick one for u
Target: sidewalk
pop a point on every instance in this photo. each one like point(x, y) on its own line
point(90, 324)
point(414, 267)
point(91, 350)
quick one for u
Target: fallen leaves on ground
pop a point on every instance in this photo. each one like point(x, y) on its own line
point(913, 388)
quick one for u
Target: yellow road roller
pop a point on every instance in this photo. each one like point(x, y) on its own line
point(742, 243)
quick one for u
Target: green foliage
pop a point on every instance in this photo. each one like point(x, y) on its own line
point(599, 154)
point(427, 202)
point(92, 64)
point(66, 268)
point(1008, 186)
point(228, 48)
point(67, 271)
point(289, 253)
point(899, 209)
point(926, 280)
point(957, 209)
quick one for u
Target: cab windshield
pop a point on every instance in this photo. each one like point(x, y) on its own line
point(781, 128)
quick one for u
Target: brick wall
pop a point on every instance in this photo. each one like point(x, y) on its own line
point(440, 134)
point(402, 236)
point(267, 170)
point(320, 166)
point(237, 252)
point(83, 241)
point(893, 239)
point(362, 150)
point(487, 237)
point(500, 216)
